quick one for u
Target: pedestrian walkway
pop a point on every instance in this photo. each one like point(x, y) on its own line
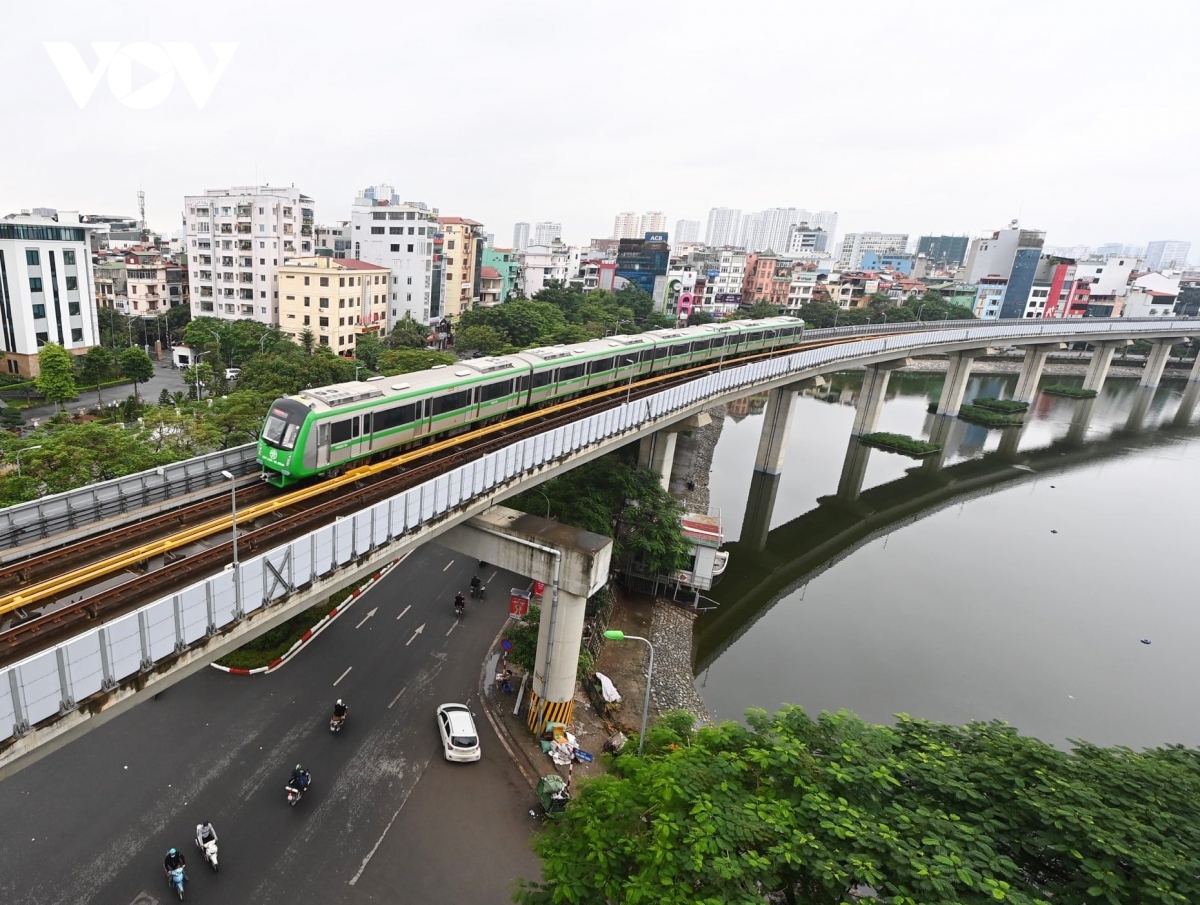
point(165, 377)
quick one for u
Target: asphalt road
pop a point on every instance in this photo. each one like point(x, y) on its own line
point(387, 819)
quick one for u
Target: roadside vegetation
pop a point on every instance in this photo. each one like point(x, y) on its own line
point(1003, 406)
point(900, 443)
point(791, 809)
point(1069, 391)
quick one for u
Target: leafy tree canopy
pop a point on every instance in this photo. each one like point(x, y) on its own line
point(613, 497)
point(405, 361)
point(289, 369)
point(408, 334)
point(835, 810)
point(367, 349)
point(759, 310)
point(56, 380)
point(487, 340)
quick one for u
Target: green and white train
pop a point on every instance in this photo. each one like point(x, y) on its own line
point(330, 428)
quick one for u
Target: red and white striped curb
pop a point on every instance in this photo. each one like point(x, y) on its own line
point(316, 629)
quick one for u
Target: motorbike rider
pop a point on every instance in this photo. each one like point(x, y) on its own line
point(300, 778)
point(476, 586)
point(459, 602)
point(173, 860)
point(205, 833)
point(340, 710)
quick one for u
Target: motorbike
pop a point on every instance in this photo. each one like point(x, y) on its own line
point(336, 723)
point(208, 849)
point(458, 610)
point(477, 591)
point(296, 792)
point(175, 878)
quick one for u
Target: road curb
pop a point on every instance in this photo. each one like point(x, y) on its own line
point(498, 726)
point(325, 622)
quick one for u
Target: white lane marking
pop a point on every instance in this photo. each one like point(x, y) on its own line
point(366, 617)
point(397, 697)
point(343, 675)
point(452, 625)
point(448, 565)
point(403, 611)
point(493, 578)
point(371, 853)
point(420, 628)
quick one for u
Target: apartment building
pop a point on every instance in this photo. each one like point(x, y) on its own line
point(520, 236)
point(336, 300)
point(334, 241)
point(399, 237)
point(154, 283)
point(724, 223)
point(507, 263)
point(541, 264)
point(235, 240)
point(47, 294)
point(546, 232)
point(855, 245)
point(722, 270)
point(463, 258)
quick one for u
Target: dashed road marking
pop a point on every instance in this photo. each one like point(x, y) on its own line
point(343, 675)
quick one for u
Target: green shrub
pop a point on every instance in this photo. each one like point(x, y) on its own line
point(1072, 392)
point(900, 443)
point(986, 418)
point(1004, 406)
point(269, 646)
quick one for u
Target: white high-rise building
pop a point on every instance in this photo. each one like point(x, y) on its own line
point(686, 231)
point(771, 229)
point(1167, 254)
point(723, 226)
point(47, 291)
point(400, 238)
point(626, 226)
point(854, 245)
point(542, 263)
point(236, 238)
point(546, 232)
point(520, 236)
point(651, 222)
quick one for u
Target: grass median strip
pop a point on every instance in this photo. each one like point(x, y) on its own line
point(270, 646)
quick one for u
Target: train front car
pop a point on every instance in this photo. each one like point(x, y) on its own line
point(282, 441)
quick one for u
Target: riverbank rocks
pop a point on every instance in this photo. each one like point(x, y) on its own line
point(673, 687)
point(693, 462)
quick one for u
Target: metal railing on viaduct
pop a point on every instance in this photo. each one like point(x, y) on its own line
point(55, 695)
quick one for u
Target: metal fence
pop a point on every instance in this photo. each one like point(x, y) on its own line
point(28, 523)
point(55, 680)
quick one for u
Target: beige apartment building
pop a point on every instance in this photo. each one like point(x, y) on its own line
point(462, 252)
point(337, 299)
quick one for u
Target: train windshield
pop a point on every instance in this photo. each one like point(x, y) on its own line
point(282, 427)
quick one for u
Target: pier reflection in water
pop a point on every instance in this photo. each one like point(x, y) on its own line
point(1011, 577)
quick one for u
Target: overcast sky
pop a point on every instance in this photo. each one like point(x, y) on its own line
point(1081, 118)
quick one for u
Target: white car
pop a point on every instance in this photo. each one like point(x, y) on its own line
point(232, 373)
point(460, 741)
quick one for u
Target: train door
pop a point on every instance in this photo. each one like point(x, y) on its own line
point(322, 444)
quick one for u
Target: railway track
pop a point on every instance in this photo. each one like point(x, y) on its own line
point(188, 554)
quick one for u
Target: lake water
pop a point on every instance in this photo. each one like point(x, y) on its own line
point(1014, 583)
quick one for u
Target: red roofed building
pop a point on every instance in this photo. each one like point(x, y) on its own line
point(337, 299)
point(491, 287)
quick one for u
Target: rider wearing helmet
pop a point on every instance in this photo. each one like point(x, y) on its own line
point(459, 601)
point(476, 584)
point(300, 778)
point(340, 710)
point(173, 860)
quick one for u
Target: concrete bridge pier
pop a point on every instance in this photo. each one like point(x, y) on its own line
point(1010, 441)
point(870, 398)
point(657, 451)
point(1031, 370)
point(572, 563)
point(1156, 361)
point(1102, 355)
point(760, 506)
point(777, 424)
point(1187, 405)
point(940, 432)
point(1143, 396)
point(1080, 422)
point(958, 372)
point(854, 469)
point(1194, 373)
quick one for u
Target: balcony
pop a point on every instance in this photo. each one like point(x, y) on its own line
point(243, 211)
point(245, 262)
point(242, 228)
point(245, 278)
point(206, 259)
point(226, 262)
point(306, 230)
point(248, 309)
point(247, 294)
point(227, 229)
point(206, 274)
point(245, 245)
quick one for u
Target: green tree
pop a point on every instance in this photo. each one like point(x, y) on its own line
point(761, 309)
point(699, 317)
point(407, 334)
point(136, 365)
point(367, 349)
point(308, 341)
point(835, 810)
point(165, 398)
point(10, 420)
point(97, 367)
point(405, 361)
point(487, 340)
point(56, 378)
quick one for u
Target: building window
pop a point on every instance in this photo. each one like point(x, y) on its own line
point(377, 230)
point(395, 248)
point(324, 302)
point(73, 309)
point(395, 230)
point(342, 282)
point(76, 334)
point(39, 311)
point(410, 248)
point(324, 281)
point(72, 283)
point(307, 302)
point(43, 338)
point(35, 284)
point(68, 256)
point(324, 321)
point(450, 245)
point(307, 320)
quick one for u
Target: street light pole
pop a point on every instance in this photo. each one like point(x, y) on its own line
point(19, 451)
point(616, 635)
point(237, 582)
point(358, 368)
